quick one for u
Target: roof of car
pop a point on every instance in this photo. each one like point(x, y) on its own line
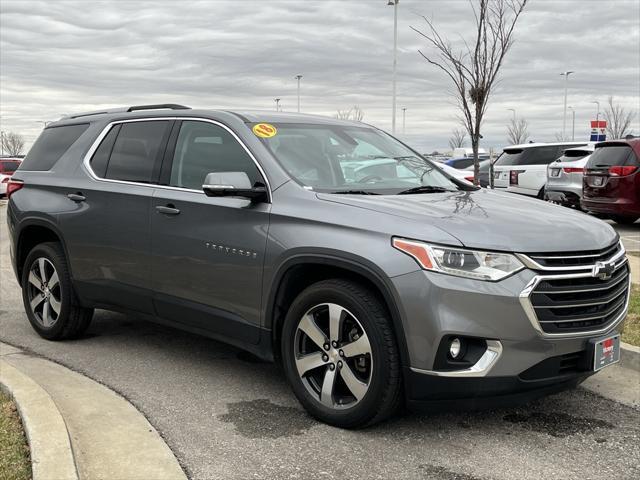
point(171, 110)
point(544, 144)
point(632, 142)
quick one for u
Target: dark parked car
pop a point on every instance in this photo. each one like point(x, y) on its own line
point(611, 184)
point(372, 275)
point(484, 175)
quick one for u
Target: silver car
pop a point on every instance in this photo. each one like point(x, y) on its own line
point(564, 176)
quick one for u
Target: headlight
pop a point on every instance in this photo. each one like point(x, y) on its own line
point(475, 264)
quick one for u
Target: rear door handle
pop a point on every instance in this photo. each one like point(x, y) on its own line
point(76, 197)
point(168, 210)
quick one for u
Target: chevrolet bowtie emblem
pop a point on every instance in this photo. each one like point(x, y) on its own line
point(604, 270)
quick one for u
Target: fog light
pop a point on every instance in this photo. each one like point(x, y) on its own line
point(454, 348)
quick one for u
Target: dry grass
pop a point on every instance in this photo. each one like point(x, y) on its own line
point(14, 451)
point(631, 332)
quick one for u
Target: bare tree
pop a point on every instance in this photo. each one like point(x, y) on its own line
point(618, 120)
point(12, 143)
point(457, 138)
point(474, 68)
point(355, 113)
point(517, 131)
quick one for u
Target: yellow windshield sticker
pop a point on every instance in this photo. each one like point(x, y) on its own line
point(264, 130)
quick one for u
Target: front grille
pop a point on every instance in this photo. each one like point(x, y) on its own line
point(575, 259)
point(582, 304)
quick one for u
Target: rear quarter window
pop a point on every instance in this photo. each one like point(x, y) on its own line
point(8, 166)
point(51, 145)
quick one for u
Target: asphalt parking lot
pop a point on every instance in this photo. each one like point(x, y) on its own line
point(226, 415)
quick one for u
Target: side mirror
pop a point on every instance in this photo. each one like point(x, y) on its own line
point(233, 184)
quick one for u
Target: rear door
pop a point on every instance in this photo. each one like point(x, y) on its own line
point(208, 252)
point(108, 234)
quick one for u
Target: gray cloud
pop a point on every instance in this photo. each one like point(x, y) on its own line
point(67, 56)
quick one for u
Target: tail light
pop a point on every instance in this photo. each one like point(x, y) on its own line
point(469, 179)
point(13, 186)
point(5, 180)
point(573, 170)
point(620, 171)
point(513, 176)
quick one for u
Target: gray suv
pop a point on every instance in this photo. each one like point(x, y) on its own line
point(372, 276)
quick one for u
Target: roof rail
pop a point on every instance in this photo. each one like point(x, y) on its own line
point(135, 108)
point(171, 106)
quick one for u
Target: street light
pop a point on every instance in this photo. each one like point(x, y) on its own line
point(277, 100)
point(564, 116)
point(298, 77)
point(573, 123)
point(514, 114)
point(404, 116)
point(598, 112)
point(395, 63)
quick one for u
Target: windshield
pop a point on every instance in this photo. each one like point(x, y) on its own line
point(351, 159)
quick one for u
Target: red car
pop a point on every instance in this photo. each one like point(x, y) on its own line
point(611, 184)
point(7, 167)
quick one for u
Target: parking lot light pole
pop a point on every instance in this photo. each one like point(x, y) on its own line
point(598, 111)
point(514, 114)
point(277, 100)
point(573, 123)
point(404, 117)
point(298, 77)
point(564, 116)
point(395, 63)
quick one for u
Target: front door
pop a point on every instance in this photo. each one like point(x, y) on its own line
point(208, 253)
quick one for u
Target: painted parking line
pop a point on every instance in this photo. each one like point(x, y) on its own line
point(629, 239)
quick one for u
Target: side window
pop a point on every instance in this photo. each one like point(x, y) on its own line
point(542, 156)
point(136, 150)
point(100, 158)
point(203, 148)
point(52, 143)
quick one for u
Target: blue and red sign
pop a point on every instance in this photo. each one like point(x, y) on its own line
point(598, 130)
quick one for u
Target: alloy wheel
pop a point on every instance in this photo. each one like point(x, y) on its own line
point(43, 291)
point(333, 356)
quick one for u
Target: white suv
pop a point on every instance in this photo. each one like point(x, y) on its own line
point(523, 168)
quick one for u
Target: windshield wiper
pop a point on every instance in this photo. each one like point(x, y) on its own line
point(356, 192)
point(424, 189)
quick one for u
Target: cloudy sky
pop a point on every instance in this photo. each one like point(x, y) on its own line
point(58, 57)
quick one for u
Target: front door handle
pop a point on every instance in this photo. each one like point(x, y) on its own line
point(167, 210)
point(76, 197)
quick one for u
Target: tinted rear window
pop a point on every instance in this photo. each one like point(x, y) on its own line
point(9, 167)
point(531, 156)
point(612, 155)
point(135, 152)
point(52, 143)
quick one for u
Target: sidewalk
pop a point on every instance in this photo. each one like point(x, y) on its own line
point(97, 434)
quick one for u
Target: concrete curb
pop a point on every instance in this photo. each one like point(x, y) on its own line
point(630, 356)
point(105, 435)
point(51, 453)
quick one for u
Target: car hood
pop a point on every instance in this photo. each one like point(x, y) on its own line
point(492, 220)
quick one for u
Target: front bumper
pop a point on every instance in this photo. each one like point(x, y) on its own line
point(446, 393)
point(437, 307)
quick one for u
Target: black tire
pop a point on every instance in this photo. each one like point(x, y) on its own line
point(384, 392)
point(72, 319)
point(624, 220)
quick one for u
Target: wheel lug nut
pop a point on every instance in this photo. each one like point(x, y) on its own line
point(341, 353)
point(326, 346)
point(334, 343)
point(339, 364)
point(325, 358)
point(332, 367)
